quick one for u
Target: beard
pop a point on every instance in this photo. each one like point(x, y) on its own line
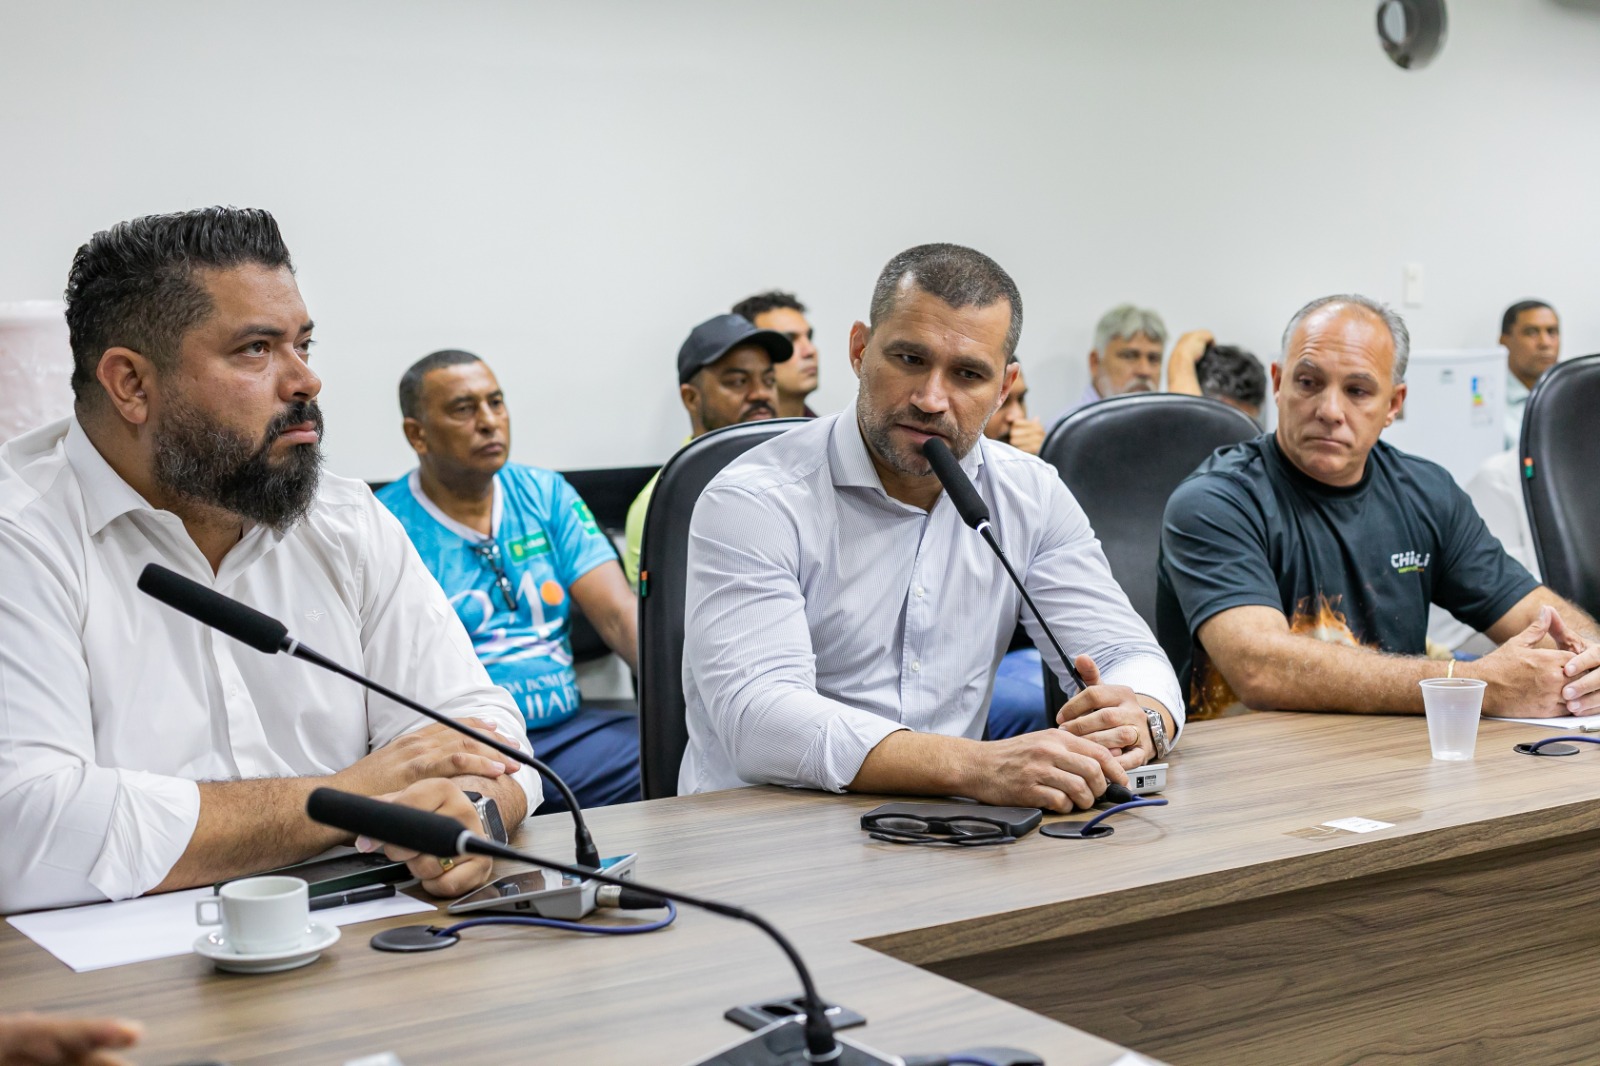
point(903, 459)
point(203, 461)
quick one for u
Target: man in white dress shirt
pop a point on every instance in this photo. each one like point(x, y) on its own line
point(141, 751)
point(881, 617)
point(1530, 332)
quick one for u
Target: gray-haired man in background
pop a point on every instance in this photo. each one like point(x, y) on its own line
point(1128, 345)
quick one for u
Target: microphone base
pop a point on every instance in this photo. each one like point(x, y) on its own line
point(410, 938)
point(783, 1043)
point(762, 1013)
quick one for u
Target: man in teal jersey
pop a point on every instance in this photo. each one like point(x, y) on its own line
point(512, 545)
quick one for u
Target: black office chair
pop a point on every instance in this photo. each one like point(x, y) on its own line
point(609, 492)
point(1559, 441)
point(1122, 458)
point(663, 570)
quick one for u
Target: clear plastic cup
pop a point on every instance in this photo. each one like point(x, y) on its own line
point(1452, 705)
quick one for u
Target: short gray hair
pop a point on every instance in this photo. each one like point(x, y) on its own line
point(1382, 311)
point(1124, 320)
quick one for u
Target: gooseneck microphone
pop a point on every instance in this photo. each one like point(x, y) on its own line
point(266, 634)
point(975, 513)
point(438, 835)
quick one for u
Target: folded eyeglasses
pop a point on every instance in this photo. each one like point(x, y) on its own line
point(967, 832)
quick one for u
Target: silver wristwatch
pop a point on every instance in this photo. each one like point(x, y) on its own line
point(1158, 733)
point(489, 814)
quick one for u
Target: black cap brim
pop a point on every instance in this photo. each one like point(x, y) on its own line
point(779, 347)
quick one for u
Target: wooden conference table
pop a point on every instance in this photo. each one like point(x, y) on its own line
point(1224, 928)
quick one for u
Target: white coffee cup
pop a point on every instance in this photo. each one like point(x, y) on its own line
point(259, 915)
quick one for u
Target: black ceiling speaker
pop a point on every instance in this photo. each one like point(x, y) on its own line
point(1412, 31)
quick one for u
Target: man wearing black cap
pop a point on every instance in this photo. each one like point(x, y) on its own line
point(725, 376)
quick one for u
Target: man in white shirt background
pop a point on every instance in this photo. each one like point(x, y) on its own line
point(881, 617)
point(140, 751)
point(1530, 330)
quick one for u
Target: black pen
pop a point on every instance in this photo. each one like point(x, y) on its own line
point(355, 895)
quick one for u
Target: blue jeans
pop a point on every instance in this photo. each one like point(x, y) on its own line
point(1017, 705)
point(596, 752)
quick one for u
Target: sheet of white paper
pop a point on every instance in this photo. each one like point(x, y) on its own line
point(1566, 725)
point(1358, 825)
point(155, 927)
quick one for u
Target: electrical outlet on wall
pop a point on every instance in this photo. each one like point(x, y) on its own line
point(1413, 285)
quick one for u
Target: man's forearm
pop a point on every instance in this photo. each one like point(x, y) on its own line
point(248, 826)
point(910, 763)
point(622, 637)
point(1294, 673)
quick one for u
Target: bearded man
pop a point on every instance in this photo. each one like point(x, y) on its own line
point(142, 752)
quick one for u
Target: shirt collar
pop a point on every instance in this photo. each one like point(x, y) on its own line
point(852, 465)
point(106, 496)
point(465, 532)
point(1516, 391)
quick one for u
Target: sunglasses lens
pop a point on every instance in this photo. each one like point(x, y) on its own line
point(970, 827)
point(901, 825)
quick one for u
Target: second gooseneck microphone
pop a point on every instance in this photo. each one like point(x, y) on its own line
point(266, 634)
point(975, 513)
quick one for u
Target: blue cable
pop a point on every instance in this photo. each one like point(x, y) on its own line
point(1554, 740)
point(556, 923)
point(1142, 801)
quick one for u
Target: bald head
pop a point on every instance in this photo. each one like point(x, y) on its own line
point(1349, 314)
point(1338, 385)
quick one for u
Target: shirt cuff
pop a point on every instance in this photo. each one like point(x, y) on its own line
point(533, 787)
point(152, 821)
point(530, 780)
point(842, 745)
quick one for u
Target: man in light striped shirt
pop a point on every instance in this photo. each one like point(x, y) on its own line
point(843, 625)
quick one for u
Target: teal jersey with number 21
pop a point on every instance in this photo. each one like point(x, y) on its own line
point(544, 539)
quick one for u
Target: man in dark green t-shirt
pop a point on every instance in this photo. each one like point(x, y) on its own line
point(1297, 568)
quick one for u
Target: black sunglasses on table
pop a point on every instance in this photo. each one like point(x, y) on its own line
point(956, 832)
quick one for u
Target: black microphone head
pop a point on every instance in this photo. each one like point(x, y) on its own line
point(406, 827)
point(1116, 793)
point(969, 505)
point(210, 607)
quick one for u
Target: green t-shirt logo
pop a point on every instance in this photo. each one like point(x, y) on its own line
point(586, 518)
point(528, 547)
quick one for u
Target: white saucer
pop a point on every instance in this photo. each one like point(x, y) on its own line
point(215, 948)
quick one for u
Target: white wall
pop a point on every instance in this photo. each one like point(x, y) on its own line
point(567, 189)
